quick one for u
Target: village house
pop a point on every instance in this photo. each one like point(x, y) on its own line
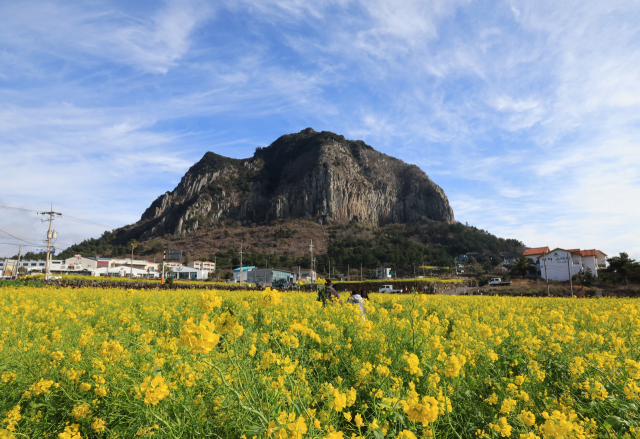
point(308, 274)
point(559, 264)
point(203, 265)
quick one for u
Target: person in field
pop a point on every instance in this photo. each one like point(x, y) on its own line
point(356, 298)
point(328, 293)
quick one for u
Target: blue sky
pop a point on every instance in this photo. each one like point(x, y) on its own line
point(525, 113)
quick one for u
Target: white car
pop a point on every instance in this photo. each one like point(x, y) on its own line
point(388, 289)
point(496, 282)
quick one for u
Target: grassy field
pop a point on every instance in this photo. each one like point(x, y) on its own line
point(95, 363)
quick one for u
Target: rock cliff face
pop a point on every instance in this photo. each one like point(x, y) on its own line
point(308, 174)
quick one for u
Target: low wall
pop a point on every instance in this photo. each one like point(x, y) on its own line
point(406, 286)
point(140, 285)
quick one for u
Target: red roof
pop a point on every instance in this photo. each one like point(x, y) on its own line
point(535, 251)
point(592, 253)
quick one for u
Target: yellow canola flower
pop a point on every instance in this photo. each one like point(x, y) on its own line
point(527, 418)
point(12, 419)
point(424, 410)
point(71, 432)
point(201, 337)
point(155, 389)
point(502, 427)
point(271, 298)
point(454, 364)
point(508, 405)
point(98, 425)
point(80, 411)
point(413, 363)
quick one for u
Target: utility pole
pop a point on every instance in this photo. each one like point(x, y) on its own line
point(360, 271)
point(50, 235)
point(546, 273)
point(134, 244)
point(4, 267)
point(164, 264)
point(240, 263)
point(18, 263)
point(569, 262)
point(312, 265)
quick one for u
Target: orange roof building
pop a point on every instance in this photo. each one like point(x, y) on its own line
point(554, 263)
point(535, 253)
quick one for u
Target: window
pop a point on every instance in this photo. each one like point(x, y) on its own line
point(42, 264)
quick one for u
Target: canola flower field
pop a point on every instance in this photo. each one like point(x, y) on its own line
point(95, 363)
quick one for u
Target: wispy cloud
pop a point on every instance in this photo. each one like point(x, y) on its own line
point(74, 30)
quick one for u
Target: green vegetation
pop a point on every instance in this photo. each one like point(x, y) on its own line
point(621, 269)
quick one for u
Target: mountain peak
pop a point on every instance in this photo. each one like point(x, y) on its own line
point(309, 174)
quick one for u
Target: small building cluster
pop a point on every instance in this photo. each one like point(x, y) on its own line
point(113, 267)
point(257, 275)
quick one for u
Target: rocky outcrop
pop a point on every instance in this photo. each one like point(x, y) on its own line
point(308, 174)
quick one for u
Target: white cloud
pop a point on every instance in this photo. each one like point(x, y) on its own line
point(152, 44)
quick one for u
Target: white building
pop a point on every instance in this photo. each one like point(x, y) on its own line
point(79, 262)
point(308, 274)
point(560, 264)
point(124, 272)
point(140, 264)
point(203, 265)
point(35, 266)
point(187, 273)
point(383, 273)
point(594, 260)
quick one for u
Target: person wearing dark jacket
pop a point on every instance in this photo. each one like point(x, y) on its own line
point(324, 295)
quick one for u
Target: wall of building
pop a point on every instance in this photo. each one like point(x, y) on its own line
point(557, 265)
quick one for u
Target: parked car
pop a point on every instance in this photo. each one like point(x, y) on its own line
point(388, 289)
point(496, 282)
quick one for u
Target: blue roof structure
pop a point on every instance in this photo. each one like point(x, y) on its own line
point(237, 270)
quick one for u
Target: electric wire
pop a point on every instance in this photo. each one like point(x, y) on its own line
point(19, 239)
point(65, 216)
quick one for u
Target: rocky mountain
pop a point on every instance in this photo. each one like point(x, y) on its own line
point(314, 175)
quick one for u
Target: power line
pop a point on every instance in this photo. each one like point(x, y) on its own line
point(19, 208)
point(19, 239)
point(63, 216)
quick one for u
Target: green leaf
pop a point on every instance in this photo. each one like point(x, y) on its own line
point(254, 430)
